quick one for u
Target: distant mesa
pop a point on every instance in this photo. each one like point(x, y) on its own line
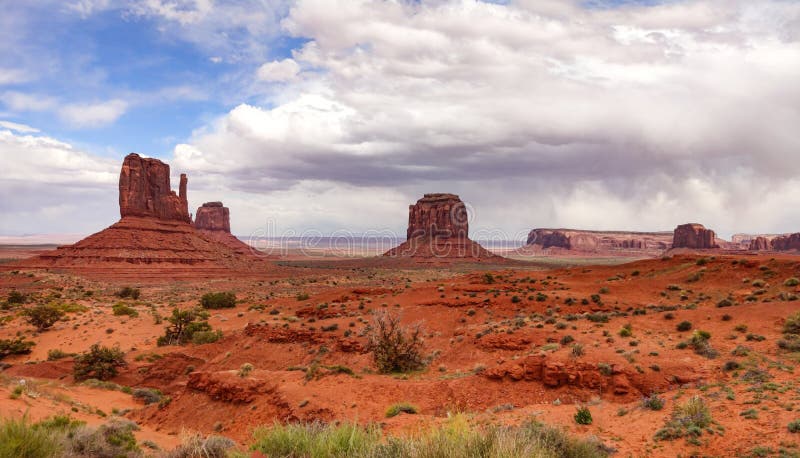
point(438, 229)
point(542, 241)
point(694, 236)
point(155, 235)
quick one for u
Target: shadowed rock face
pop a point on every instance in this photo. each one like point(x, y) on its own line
point(438, 216)
point(786, 242)
point(144, 190)
point(694, 236)
point(212, 216)
point(760, 244)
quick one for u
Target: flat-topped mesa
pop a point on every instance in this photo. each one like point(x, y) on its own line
point(145, 191)
point(606, 243)
point(441, 216)
point(694, 236)
point(213, 216)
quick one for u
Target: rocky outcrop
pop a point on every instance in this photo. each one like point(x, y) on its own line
point(212, 216)
point(442, 216)
point(438, 230)
point(760, 244)
point(144, 191)
point(789, 242)
point(607, 243)
point(694, 236)
point(154, 239)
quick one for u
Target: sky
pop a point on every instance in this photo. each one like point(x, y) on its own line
point(329, 116)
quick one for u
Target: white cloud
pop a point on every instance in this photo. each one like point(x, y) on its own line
point(51, 187)
point(545, 103)
point(92, 115)
point(20, 101)
point(12, 76)
point(278, 70)
point(22, 128)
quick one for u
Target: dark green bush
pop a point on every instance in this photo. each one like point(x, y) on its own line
point(128, 292)
point(18, 346)
point(120, 309)
point(684, 326)
point(184, 326)
point(583, 416)
point(220, 300)
point(16, 298)
point(99, 362)
point(43, 316)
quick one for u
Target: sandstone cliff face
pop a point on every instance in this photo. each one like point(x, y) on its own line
point(144, 190)
point(760, 244)
point(597, 242)
point(438, 216)
point(212, 216)
point(438, 229)
point(786, 242)
point(694, 236)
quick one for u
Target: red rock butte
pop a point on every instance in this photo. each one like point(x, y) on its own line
point(155, 238)
point(694, 236)
point(438, 230)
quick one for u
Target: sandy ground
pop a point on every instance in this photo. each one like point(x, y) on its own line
point(479, 335)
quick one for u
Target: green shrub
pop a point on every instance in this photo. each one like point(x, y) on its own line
point(185, 325)
point(114, 439)
point(395, 348)
point(17, 346)
point(653, 402)
point(99, 362)
point(245, 370)
point(16, 298)
point(56, 354)
point(147, 395)
point(128, 292)
point(684, 326)
point(43, 316)
point(488, 278)
point(688, 419)
point(120, 309)
point(583, 416)
point(794, 427)
point(403, 407)
point(794, 281)
point(626, 331)
point(515, 299)
point(220, 300)
point(792, 324)
point(302, 296)
point(725, 303)
point(206, 337)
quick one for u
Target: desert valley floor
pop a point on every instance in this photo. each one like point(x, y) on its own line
point(505, 344)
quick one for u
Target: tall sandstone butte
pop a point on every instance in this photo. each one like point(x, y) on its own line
point(155, 238)
point(145, 191)
point(213, 216)
point(694, 236)
point(438, 229)
point(789, 242)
